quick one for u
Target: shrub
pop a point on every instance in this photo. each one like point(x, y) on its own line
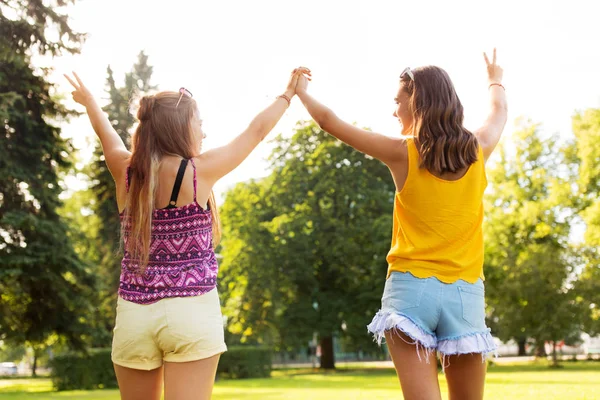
point(83, 371)
point(241, 362)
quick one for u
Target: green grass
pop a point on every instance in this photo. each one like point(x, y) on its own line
point(578, 381)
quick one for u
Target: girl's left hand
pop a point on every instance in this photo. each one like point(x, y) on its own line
point(81, 94)
point(292, 86)
point(303, 79)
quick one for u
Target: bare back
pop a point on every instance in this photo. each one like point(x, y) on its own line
point(167, 174)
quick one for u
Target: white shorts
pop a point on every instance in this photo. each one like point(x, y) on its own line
point(178, 329)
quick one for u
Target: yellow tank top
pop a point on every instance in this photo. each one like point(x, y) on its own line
point(438, 223)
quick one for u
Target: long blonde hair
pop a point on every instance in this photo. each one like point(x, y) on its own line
point(164, 128)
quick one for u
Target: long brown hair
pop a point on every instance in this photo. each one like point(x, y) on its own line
point(164, 128)
point(444, 144)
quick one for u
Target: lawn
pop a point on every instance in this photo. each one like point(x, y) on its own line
point(578, 381)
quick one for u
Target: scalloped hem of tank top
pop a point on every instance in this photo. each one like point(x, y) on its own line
point(433, 276)
point(183, 207)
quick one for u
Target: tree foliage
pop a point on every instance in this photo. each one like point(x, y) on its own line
point(585, 152)
point(304, 249)
point(93, 212)
point(529, 261)
point(44, 287)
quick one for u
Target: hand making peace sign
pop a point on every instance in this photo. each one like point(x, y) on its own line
point(81, 94)
point(495, 72)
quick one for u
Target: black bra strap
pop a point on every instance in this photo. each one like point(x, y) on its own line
point(177, 185)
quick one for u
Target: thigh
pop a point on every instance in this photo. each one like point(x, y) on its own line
point(192, 380)
point(137, 384)
point(465, 374)
point(417, 372)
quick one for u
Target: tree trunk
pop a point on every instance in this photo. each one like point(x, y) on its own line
point(34, 365)
point(327, 356)
point(522, 342)
point(540, 349)
point(554, 358)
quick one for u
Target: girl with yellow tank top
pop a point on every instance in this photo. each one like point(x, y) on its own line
point(433, 300)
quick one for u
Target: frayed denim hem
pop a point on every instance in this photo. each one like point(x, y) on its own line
point(473, 343)
point(392, 321)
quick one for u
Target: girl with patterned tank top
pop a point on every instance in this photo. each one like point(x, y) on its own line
point(169, 327)
point(433, 300)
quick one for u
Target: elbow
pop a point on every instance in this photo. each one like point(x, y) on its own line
point(325, 119)
point(262, 134)
point(259, 130)
point(500, 106)
point(500, 111)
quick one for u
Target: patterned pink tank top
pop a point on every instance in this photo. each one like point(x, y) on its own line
point(182, 260)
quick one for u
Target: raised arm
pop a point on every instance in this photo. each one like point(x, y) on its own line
point(115, 152)
point(491, 131)
point(218, 162)
point(379, 146)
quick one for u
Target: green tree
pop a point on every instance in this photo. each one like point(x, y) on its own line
point(255, 298)
point(77, 212)
point(93, 212)
point(585, 153)
point(12, 353)
point(529, 261)
point(103, 186)
point(304, 249)
point(44, 287)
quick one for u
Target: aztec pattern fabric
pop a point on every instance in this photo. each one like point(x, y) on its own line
point(182, 261)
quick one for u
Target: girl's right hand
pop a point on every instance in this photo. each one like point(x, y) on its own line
point(290, 91)
point(81, 94)
point(303, 79)
point(495, 72)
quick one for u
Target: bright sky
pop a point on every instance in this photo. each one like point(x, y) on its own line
point(235, 57)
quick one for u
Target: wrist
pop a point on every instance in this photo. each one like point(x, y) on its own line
point(289, 93)
point(492, 84)
point(90, 102)
point(286, 98)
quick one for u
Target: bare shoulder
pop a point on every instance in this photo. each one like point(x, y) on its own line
point(200, 161)
point(169, 165)
point(399, 168)
point(390, 150)
point(117, 163)
point(486, 143)
point(400, 147)
point(204, 168)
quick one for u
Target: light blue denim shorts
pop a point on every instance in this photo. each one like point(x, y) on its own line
point(449, 318)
